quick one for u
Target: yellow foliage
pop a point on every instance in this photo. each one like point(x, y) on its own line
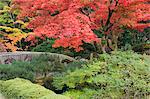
point(10, 36)
point(10, 40)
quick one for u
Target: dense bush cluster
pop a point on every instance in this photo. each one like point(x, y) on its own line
point(118, 75)
point(135, 40)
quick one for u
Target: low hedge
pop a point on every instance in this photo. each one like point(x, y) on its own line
point(23, 89)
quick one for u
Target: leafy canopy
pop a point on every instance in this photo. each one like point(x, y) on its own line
point(71, 22)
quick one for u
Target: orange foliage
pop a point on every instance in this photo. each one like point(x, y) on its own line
point(71, 24)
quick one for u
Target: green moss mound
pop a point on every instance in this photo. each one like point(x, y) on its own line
point(23, 89)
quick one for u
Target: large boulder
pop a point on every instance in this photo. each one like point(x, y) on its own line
point(9, 57)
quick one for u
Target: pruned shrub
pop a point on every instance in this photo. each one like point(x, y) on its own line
point(24, 89)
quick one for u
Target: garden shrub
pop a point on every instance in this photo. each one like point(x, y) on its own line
point(38, 65)
point(116, 75)
point(46, 46)
point(133, 39)
point(69, 67)
point(17, 69)
point(24, 89)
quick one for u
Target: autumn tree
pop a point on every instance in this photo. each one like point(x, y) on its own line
point(11, 30)
point(72, 22)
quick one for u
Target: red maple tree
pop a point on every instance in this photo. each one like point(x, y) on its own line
point(71, 22)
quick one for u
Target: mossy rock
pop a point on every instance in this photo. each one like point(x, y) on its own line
point(9, 57)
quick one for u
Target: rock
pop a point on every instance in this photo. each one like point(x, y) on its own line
point(9, 57)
